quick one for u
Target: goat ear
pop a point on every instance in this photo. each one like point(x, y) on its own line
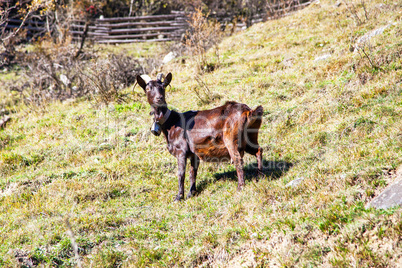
point(141, 82)
point(167, 80)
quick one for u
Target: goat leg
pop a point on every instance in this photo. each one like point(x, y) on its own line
point(238, 162)
point(195, 161)
point(181, 174)
point(258, 155)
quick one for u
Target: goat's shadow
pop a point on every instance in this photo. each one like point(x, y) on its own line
point(271, 169)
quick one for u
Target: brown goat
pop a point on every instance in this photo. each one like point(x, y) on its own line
point(220, 134)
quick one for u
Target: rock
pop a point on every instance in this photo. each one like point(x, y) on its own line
point(323, 57)
point(105, 146)
point(295, 182)
point(64, 79)
point(4, 121)
point(170, 56)
point(389, 197)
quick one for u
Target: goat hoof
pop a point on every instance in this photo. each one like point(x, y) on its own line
point(258, 177)
point(178, 198)
point(191, 194)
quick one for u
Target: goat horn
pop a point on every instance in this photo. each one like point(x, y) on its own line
point(160, 76)
point(146, 78)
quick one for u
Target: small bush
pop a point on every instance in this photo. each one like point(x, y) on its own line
point(53, 72)
point(203, 34)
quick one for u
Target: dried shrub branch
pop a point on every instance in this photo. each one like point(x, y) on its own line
point(203, 92)
point(53, 72)
point(203, 34)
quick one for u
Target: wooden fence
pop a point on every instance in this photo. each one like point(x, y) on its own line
point(153, 28)
point(273, 11)
point(34, 27)
point(156, 28)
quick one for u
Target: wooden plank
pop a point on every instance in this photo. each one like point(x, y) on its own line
point(139, 30)
point(133, 41)
point(26, 22)
point(89, 33)
point(90, 27)
point(179, 12)
point(150, 17)
point(79, 21)
point(35, 29)
point(142, 24)
point(253, 21)
point(134, 36)
point(79, 38)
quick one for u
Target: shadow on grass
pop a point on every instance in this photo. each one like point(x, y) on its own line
point(271, 170)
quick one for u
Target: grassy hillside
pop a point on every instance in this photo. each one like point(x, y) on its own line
point(333, 116)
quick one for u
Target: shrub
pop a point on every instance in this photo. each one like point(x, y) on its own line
point(203, 34)
point(53, 72)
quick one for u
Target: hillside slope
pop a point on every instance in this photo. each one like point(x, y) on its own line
point(333, 118)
